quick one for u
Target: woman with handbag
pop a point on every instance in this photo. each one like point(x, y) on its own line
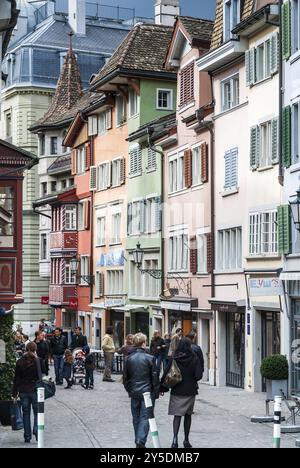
point(26, 378)
point(182, 376)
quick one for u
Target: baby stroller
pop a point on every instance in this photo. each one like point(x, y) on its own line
point(78, 366)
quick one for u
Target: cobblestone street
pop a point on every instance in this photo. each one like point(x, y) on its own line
point(101, 418)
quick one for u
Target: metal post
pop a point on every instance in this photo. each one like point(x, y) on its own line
point(41, 416)
point(277, 422)
point(151, 418)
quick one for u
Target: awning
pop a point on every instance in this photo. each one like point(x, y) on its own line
point(290, 276)
point(130, 308)
point(181, 304)
point(227, 306)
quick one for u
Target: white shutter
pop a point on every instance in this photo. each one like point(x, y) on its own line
point(275, 130)
point(93, 178)
point(158, 214)
point(247, 62)
point(274, 51)
point(92, 125)
point(142, 212)
point(250, 67)
point(108, 174)
point(108, 119)
point(227, 184)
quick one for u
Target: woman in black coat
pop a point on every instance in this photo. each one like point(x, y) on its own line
point(183, 395)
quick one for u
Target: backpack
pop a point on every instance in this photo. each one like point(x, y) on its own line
point(174, 376)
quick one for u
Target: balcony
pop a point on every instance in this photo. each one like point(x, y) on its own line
point(62, 295)
point(63, 241)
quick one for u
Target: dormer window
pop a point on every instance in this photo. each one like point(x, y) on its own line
point(232, 16)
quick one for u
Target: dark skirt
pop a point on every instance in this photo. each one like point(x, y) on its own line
point(181, 405)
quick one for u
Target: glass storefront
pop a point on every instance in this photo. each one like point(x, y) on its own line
point(140, 323)
point(296, 346)
point(235, 349)
point(270, 328)
point(185, 320)
point(117, 322)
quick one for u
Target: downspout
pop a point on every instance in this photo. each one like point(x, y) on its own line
point(281, 95)
point(92, 225)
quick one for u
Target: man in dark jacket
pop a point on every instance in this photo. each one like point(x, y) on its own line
point(196, 349)
point(58, 345)
point(43, 348)
point(140, 376)
point(78, 339)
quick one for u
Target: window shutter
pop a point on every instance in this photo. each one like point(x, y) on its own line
point(93, 178)
point(204, 163)
point(274, 53)
point(209, 247)
point(108, 174)
point(74, 162)
point(158, 214)
point(87, 214)
point(108, 118)
point(254, 148)
point(286, 136)
point(284, 229)
point(193, 255)
point(247, 63)
point(286, 30)
point(129, 219)
point(250, 67)
point(275, 141)
point(188, 168)
point(100, 285)
point(122, 171)
point(187, 84)
point(142, 215)
point(88, 156)
point(92, 125)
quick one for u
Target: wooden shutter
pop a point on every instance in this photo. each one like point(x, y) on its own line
point(275, 129)
point(87, 205)
point(210, 252)
point(284, 229)
point(158, 214)
point(274, 53)
point(187, 85)
point(100, 285)
point(286, 136)
point(204, 163)
point(188, 168)
point(254, 146)
point(193, 255)
point(74, 162)
point(88, 156)
point(123, 171)
point(93, 178)
point(286, 30)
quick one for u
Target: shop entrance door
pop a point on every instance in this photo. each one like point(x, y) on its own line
point(270, 328)
point(235, 350)
point(187, 326)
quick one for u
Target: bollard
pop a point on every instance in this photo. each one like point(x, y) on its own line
point(41, 416)
point(277, 422)
point(152, 422)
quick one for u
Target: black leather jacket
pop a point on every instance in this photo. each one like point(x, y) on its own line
point(58, 345)
point(140, 374)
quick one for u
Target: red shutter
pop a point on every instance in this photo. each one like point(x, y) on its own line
point(88, 156)
point(210, 248)
point(204, 162)
point(193, 255)
point(188, 168)
point(74, 162)
point(87, 205)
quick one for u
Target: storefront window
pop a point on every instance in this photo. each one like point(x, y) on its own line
point(7, 207)
point(185, 320)
point(296, 347)
point(235, 349)
point(140, 323)
point(117, 322)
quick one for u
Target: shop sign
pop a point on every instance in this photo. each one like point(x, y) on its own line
point(265, 287)
point(73, 303)
point(179, 306)
point(45, 300)
point(112, 303)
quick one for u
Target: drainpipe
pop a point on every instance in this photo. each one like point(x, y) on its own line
point(92, 225)
point(281, 95)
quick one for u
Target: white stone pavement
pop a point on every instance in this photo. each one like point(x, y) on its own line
point(101, 418)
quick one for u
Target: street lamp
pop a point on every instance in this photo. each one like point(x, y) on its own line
point(138, 255)
point(87, 279)
point(74, 264)
point(295, 207)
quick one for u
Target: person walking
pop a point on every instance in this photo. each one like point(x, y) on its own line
point(167, 340)
point(140, 376)
point(78, 340)
point(157, 349)
point(109, 350)
point(58, 345)
point(175, 341)
point(43, 348)
point(183, 395)
point(68, 367)
point(89, 369)
point(19, 344)
point(196, 349)
point(128, 347)
point(24, 386)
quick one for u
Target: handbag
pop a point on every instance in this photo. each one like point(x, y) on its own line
point(174, 376)
point(16, 416)
point(48, 385)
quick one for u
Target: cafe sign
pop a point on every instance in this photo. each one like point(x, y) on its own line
point(265, 287)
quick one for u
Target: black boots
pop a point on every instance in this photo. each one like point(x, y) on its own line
point(175, 443)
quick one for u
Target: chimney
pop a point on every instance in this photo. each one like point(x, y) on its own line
point(166, 11)
point(77, 16)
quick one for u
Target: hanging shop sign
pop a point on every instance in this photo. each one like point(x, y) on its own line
point(265, 287)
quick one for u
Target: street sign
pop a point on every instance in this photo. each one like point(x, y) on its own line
point(265, 287)
point(45, 300)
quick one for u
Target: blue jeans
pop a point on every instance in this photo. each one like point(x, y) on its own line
point(140, 420)
point(59, 368)
point(158, 361)
point(28, 400)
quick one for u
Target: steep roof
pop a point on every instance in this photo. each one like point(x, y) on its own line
point(143, 49)
point(10, 26)
point(198, 29)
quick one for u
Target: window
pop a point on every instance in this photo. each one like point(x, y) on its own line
point(264, 144)
point(164, 99)
point(70, 275)
point(7, 216)
point(104, 176)
point(101, 231)
point(8, 129)
point(104, 122)
point(70, 220)
point(133, 103)
point(53, 186)
point(84, 270)
point(135, 285)
point(176, 173)
point(150, 285)
point(43, 189)
point(295, 26)
point(81, 216)
point(42, 141)
point(263, 233)
point(136, 224)
point(64, 184)
point(196, 166)
point(150, 215)
point(202, 253)
point(116, 167)
point(81, 159)
point(230, 249)
point(231, 169)
point(178, 251)
point(135, 161)
point(262, 61)
point(92, 125)
point(232, 13)
point(120, 111)
point(187, 84)
point(295, 133)
point(230, 93)
point(116, 228)
point(151, 159)
point(115, 282)
point(44, 249)
point(53, 145)
point(99, 284)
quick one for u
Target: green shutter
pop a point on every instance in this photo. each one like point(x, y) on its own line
point(254, 145)
point(284, 229)
point(286, 137)
point(274, 53)
point(274, 141)
point(286, 30)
